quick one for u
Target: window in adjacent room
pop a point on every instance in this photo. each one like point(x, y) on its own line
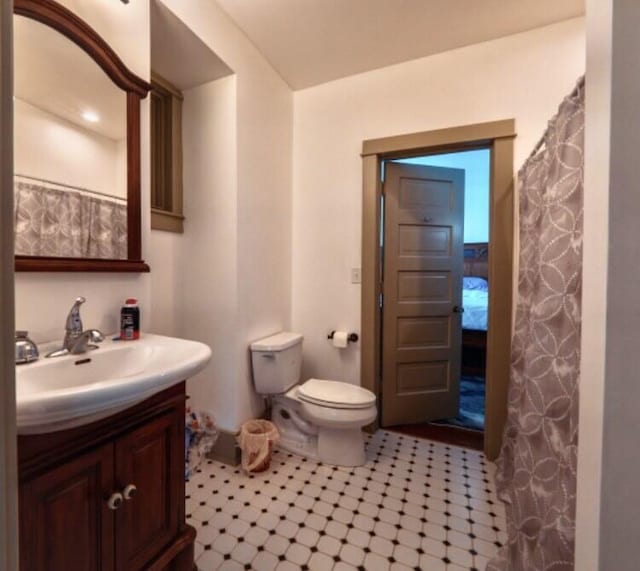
point(166, 156)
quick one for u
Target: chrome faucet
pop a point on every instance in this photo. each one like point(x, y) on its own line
point(82, 344)
point(73, 328)
point(75, 339)
point(26, 350)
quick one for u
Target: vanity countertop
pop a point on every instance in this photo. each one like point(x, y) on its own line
point(63, 392)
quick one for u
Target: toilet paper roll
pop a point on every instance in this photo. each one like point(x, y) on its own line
point(340, 339)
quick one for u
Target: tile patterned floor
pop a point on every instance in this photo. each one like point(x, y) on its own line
point(416, 504)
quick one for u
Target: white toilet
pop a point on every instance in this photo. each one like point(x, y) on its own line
point(318, 419)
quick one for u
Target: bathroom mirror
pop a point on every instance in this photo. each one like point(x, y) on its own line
point(76, 146)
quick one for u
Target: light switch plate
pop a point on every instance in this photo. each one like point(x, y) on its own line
point(356, 276)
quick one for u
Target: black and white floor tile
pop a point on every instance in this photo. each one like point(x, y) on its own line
point(415, 505)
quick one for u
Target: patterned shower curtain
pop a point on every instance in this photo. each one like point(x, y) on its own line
point(63, 223)
point(536, 475)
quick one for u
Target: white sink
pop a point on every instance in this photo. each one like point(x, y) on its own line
point(62, 392)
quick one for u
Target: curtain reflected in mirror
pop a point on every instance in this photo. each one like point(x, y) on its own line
point(60, 221)
point(70, 150)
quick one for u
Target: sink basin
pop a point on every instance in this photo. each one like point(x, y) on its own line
point(63, 392)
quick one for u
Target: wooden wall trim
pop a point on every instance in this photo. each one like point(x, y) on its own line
point(463, 135)
point(371, 275)
point(167, 221)
point(226, 449)
point(37, 264)
point(501, 242)
point(8, 459)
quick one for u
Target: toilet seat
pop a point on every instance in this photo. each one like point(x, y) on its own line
point(335, 394)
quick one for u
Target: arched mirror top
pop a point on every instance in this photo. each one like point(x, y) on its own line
point(69, 179)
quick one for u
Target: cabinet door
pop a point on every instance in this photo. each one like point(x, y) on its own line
point(149, 459)
point(65, 522)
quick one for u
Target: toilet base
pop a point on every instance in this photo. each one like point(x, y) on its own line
point(305, 449)
point(296, 436)
point(341, 447)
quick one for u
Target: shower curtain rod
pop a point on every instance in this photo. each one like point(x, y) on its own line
point(80, 188)
point(579, 85)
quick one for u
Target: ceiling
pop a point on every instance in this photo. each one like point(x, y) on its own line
point(178, 55)
point(314, 41)
point(55, 75)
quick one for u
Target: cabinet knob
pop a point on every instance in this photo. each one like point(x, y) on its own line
point(115, 501)
point(129, 492)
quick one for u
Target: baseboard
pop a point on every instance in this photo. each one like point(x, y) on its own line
point(226, 449)
point(371, 428)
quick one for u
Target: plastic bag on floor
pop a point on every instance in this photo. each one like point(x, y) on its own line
point(199, 437)
point(256, 440)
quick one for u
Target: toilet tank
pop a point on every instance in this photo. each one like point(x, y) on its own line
point(276, 362)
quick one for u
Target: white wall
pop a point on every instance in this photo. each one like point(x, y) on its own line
point(524, 77)
point(594, 282)
point(265, 150)
point(49, 147)
point(233, 264)
point(207, 252)
point(43, 300)
point(608, 464)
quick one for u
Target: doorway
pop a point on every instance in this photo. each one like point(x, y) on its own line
point(419, 365)
point(435, 309)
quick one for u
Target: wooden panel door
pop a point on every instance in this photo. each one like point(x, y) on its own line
point(422, 293)
point(64, 519)
point(149, 459)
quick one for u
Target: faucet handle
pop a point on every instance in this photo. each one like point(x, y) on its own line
point(96, 336)
point(74, 322)
point(86, 341)
point(26, 350)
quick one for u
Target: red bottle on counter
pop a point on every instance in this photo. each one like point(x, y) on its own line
point(130, 320)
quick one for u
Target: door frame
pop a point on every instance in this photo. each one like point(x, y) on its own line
point(8, 450)
point(499, 137)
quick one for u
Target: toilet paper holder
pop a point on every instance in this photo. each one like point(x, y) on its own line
point(352, 337)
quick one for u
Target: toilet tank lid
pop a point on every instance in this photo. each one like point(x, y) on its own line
point(277, 342)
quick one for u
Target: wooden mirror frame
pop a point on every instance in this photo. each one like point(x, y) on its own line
point(56, 16)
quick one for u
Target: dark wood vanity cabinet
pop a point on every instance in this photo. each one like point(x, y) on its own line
point(108, 496)
point(64, 522)
point(146, 458)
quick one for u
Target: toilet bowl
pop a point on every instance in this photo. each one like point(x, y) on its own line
point(319, 419)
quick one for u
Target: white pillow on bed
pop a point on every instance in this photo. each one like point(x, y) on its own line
point(475, 283)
